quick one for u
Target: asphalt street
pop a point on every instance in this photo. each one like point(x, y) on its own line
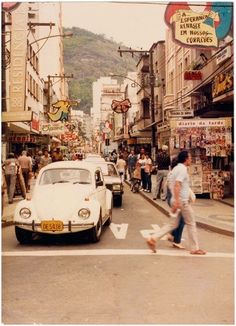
point(68, 280)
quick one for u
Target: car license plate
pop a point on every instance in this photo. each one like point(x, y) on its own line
point(52, 225)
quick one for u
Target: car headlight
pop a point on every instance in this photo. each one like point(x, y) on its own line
point(84, 213)
point(25, 212)
point(116, 187)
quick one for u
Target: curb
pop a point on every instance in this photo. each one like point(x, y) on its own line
point(199, 224)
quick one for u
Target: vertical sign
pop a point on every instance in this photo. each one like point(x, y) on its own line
point(18, 58)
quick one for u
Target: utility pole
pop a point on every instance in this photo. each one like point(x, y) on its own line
point(152, 96)
point(49, 86)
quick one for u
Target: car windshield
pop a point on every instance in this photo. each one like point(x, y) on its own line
point(109, 169)
point(64, 175)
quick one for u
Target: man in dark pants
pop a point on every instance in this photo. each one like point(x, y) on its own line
point(10, 168)
point(163, 164)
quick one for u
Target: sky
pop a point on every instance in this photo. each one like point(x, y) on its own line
point(134, 24)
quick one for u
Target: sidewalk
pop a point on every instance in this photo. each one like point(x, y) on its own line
point(210, 214)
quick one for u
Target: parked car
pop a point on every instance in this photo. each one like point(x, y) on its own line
point(68, 197)
point(112, 181)
point(94, 159)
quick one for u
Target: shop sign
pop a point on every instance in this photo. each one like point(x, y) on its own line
point(180, 113)
point(121, 106)
point(69, 136)
point(60, 112)
point(192, 75)
point(223, 55)
point(19, 32)
point(22, 139)
point(199, 26)
point(222, 83)
point(192, 123)
point(35, 122)
point(52, 128)
point(143, 140)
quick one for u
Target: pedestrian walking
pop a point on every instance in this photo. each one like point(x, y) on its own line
point(45, 159)
point(26, 168)
point(132, 160)
point(176, 235)
point(113, 157)
point(148, 172)
point(10, 167)
point(121, 164)
point(125, 155)
point(136, 179)
point(142, 162)
point(57, 155)
point(37, 163)
point(163, 164)
point(180, 202)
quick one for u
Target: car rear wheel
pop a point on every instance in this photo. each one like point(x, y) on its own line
point(23, 236)
point(96, 231)
point(117, 201)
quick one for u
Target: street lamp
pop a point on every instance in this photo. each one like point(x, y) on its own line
point(65, 35)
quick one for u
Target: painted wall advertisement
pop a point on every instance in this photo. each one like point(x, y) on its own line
point(199, 25)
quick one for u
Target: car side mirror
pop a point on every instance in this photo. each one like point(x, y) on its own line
point(99, 183)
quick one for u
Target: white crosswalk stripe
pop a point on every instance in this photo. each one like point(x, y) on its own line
point(114, 252)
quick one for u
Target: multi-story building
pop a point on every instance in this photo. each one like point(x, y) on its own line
point(106, 124)
point(28, 30)
point(198, 106)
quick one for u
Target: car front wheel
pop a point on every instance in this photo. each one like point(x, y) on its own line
point(23, 236)
point(96, 231)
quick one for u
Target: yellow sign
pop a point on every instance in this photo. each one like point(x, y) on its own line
point(191, 29)
point(61, 111)
point(222, 83)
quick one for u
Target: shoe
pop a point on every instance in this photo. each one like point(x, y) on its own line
point(154, 198)
point(198, 252)
point(177, 245)
point(148, 190)
point(10, 202)
point(152, 244)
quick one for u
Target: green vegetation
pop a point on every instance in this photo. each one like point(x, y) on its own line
point(89, 56)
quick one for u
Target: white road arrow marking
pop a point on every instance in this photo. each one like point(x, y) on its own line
point(148, 233)
point(119, 230)
point(155, 227)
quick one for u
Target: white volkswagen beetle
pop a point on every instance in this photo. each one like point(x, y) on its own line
point(68, 196)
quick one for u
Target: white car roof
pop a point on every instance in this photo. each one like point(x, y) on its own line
point(92, 166)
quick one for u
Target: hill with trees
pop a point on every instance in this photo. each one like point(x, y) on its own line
point(88, 57)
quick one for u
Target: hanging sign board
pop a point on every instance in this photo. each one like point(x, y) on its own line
point(199, 25)
point(180, 113)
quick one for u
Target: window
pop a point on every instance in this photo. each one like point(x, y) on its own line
point(146, 109)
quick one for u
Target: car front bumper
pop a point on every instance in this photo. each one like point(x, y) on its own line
point(67, 227)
